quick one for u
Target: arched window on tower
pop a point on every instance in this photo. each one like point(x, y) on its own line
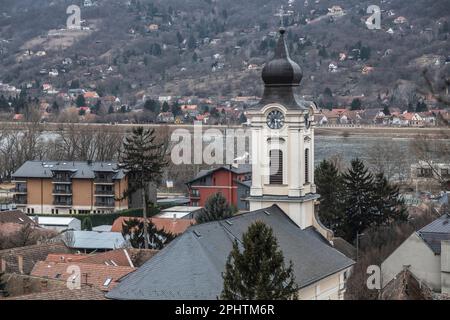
point(306, 165)
point(276, 167)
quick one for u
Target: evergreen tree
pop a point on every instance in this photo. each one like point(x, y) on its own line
point(152, 105)
point(421, 107)
point(258, 272)
point(111, 109)
point(87, 224)
point(356, 104)
point(80, 102)
point(144, 159)
point(165, 107)
point(389, 206)
point(133, 231)
point(216, 208)
point(176, 109)
point(386, 111)
point(329, 186)
point(358, 199)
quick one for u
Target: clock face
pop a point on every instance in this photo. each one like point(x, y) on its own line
point(275, 119)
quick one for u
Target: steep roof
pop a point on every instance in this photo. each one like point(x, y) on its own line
point(30, 255)
point(93, 240)
point(190, 267)
point(435, 232)
point(79, 169)
point(15, 216)
point(241, 169)
point(101, 276)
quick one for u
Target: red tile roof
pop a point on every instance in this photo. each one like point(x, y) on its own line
point(174, 226)
point(85, 293)
point(100, 276)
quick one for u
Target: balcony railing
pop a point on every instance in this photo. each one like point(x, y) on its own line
point(104, 192)
point(20, 190)
point(20, 200)
point(62, 179)
point(62, 191)
point(108, 204)
point(107, 180)
point(62, 202)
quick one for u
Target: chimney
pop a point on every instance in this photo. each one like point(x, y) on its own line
point(174, 217)
point(44, 284)
point(3, 265)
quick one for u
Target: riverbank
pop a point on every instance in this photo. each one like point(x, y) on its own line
point(344, 131)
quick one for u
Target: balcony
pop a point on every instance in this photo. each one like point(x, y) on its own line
point(103, 180)
point(104, 204)
point(20, 200)
point(22, 190)
point(106, 193)
point(62, 202)
point(62, 191)
point(61, 179)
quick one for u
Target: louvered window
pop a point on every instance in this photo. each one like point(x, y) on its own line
point(276, 167)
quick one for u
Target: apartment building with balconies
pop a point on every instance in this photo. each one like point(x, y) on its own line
point(71, 187)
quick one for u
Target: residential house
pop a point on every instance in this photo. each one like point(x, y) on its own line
point(426, 254)
point(21, 260)
point(233, 182)
point(179, 212)
point(59, 223)
point(165, 117)
point(69, 187)
point(102, 277)
point(423, 172)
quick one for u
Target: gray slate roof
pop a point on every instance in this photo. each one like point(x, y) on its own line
point(191, 266)
point(80, 169)
point(435, 232)
point(241, 169)
point(94, 240)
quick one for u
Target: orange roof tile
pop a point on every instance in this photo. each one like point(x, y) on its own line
point(100, 276)
point(174, 226)
point(64, 257)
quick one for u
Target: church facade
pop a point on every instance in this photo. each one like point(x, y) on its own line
point(282, 195)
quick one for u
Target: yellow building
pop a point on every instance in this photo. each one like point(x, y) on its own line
point(69, 187)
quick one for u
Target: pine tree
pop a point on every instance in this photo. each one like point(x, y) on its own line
point(80, 102)
point(133, 231)
point(165, 107)
point(389, 206)
point(216, 208)
point(329, 186)
point(358, 199)
point(144, 159)
point(87, 224)
point(386, 111)
point(259, 271)
point(356, 104)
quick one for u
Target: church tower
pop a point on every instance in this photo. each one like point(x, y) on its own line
point(282, 142)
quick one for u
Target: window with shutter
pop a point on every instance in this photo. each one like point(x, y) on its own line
point(276, 167)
